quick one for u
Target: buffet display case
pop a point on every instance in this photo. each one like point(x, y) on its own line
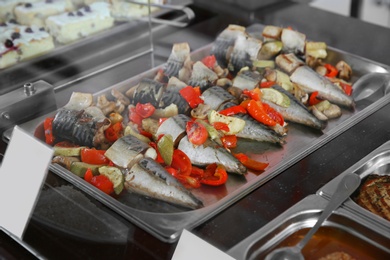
point(121, 57)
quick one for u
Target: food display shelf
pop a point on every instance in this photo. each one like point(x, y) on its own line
point(166, 222)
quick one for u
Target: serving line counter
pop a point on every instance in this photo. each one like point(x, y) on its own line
point(264, 204)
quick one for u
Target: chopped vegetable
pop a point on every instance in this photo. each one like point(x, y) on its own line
point(93, 156)
point(48, 127)
point(192, 96)
point(313, 100)
point(209, 61)
point(165, 148)
point(276, 97)
point(346, 88)
point(116, 177)
point(233, 110)
point(229, 141)
point(267, 84)
point(250, 163)
point(331, 70)
point(103, 183)
point(144, 110)
point(114, 132)
point(181, 162)
point(88, 175)
point(234, 124)
point(255, 109)
point(214, 175)
point(196, 132)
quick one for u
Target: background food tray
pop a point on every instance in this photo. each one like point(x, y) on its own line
point(166, 221)
point(376, 162)
point(342, 232)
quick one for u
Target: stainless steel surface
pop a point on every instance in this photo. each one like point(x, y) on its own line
point(348, 184)
point(376, 162)
point(301, 141)
point(303, 215)
point(27, 102)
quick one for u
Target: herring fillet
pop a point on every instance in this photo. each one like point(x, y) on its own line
point(311, 81)
point(296, 112)
point(149, 178)
point(210, 152)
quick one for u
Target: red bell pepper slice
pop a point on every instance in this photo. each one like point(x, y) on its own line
point(103, 183)
point(250, 163)
point(48, 128)
point(233, 110)
point(187, 180)
point(144, 110)
point(93, 156)
point(196, 132)
point(346, 88)
point(229, 141)
point(267, 84)
point(313, 100)
point(331, 70)
point(272, 113)
point(256, 110)
point(209, 61)
point(66, 144)
point(254, 94)
point(181, 162)
point(113, 132)
point(191, 95)
point(221, 126)
point(214, 175)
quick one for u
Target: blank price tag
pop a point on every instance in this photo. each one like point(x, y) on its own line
point(191, 247)
point(22, 173)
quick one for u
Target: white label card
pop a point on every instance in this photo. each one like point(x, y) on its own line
point(191, 247)
point(22, 173)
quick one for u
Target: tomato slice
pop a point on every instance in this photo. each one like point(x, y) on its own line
point(209, 61)
point(93, 156)
point(103, 183)
point(191, 95)
point(181, 162)
point(134, 116)
point(144, 110)
point(196, 132)
point(48, 128)
point(214, 175)
point(229, 141)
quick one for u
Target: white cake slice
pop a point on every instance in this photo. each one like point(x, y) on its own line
point(85, 21)
point(36, 13)
point(7, 8)
point(20, 42)
point(122, 10)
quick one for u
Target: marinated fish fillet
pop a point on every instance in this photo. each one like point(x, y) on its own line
point(149, 178)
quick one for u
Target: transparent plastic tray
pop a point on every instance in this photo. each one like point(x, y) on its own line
point(166, 221)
